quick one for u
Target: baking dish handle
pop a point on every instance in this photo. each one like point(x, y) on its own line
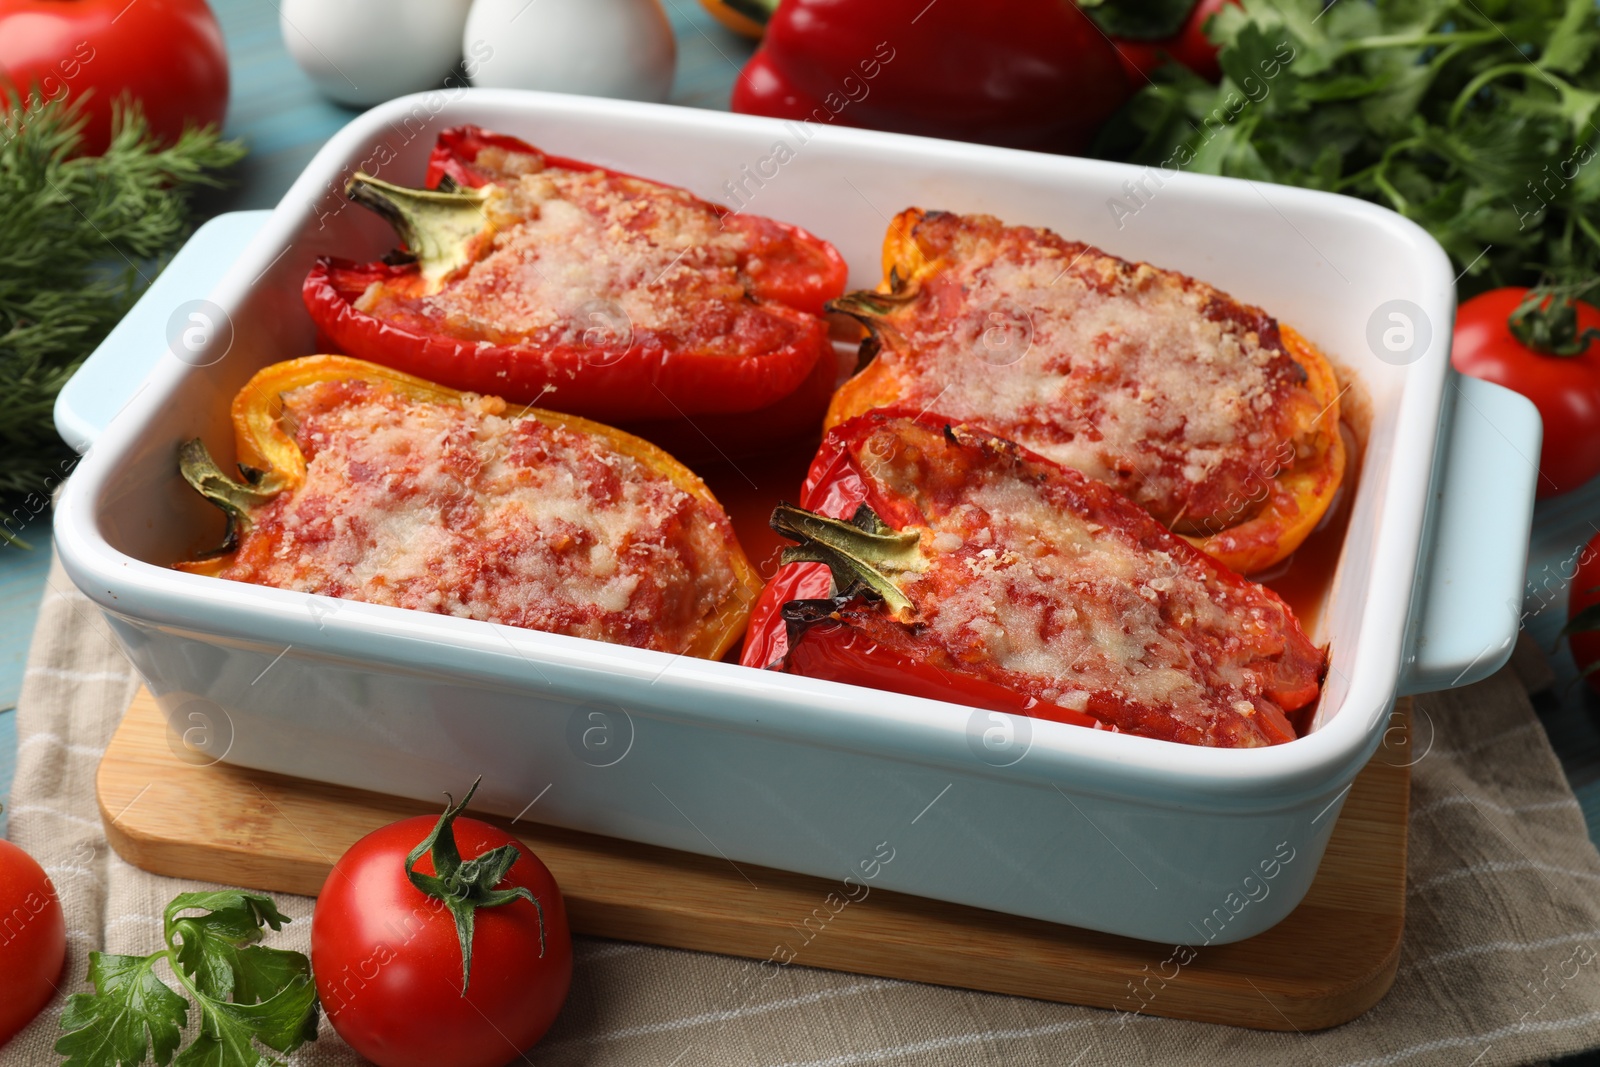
point(115, 372)
point(1468, 607)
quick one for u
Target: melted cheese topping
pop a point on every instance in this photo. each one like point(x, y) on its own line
point(461, 510)
point(1072, 595)
point(568, 243)
point(601, 262)
point(1142, 378)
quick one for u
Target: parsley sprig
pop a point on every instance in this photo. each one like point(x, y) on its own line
point(250, 998)
point(1477, 119)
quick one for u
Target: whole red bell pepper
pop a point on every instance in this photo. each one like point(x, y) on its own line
point(1033, 74)
point(937, 560)
point(635, 301)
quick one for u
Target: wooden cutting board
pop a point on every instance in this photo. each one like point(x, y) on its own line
point(1328, 962)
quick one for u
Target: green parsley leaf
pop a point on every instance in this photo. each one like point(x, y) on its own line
point(247, 995)
point(1572, 41)
point(214, 948)
point(130, 1016)
point(228, 1030)
point(261, 974)
point(1479, 121)
point(232, 913)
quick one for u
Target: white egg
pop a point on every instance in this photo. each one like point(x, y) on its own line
point(364, 52)
point(617, 48)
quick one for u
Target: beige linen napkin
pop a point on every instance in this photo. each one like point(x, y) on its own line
point(1501, 959)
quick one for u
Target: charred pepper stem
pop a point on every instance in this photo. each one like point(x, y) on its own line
point(801, 615)
point(870, 308)
point(443, 229)
point(235, 499)
point(869, 305)
point(864, 554)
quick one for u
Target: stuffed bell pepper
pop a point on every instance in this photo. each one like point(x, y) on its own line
point(1208, 413)
point(938, 560)
point(546, 280)
point(364, 483)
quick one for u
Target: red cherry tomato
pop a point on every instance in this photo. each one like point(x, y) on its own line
point(167, 54)
point(388, 963)
point(1565, 389)
point(33, 939)
point(1584, 594)
point(1189, 46)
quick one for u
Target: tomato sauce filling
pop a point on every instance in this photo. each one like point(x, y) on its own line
point(462, 509)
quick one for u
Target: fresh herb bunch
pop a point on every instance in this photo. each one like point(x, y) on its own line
point(1474, 118)
point(80, 238)
point(247, 995)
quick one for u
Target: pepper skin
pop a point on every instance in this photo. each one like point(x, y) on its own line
point(831, 648)
point(1033, 74)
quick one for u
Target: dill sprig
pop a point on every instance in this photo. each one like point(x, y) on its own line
point(80, 238)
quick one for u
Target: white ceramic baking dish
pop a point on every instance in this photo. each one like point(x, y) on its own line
point(1112, 832)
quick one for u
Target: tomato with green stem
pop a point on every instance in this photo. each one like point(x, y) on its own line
point(1537, 343)
point(441, 941)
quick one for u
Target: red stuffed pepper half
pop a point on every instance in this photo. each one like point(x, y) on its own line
point(938, 560)
point(546, 280)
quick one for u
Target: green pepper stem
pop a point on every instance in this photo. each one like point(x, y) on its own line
point(234, 499)
point(868, 305)
point(441, 228)
point(758, 11)
point(871, 308)
point(864, 554)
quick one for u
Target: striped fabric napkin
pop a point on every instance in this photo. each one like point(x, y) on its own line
point(1501, 959)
